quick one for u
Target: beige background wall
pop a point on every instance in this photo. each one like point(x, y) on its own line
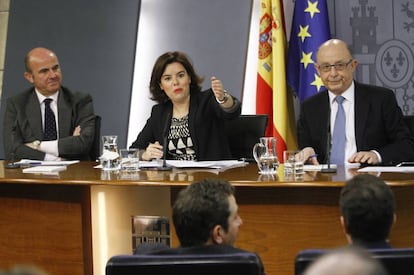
point(4, 16)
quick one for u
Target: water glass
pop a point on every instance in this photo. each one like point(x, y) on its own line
point(293, 164)
point(110, 156)
point(129, 159)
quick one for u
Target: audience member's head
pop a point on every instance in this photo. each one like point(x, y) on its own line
point(346, 261)
point(367, 209)
point(206, 212)
point(23, 270)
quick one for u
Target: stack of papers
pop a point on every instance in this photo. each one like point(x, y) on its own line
point(221, 164)
point(310, 167)
point(34, 162)
point(44, 169)
point(401, 169)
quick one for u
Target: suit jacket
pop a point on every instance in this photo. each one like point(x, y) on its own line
point(214, 249)
point(205, 121)
point(23, 124)
point(379, 124)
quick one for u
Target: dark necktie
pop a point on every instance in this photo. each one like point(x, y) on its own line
point(338, 136)
point(49, 132)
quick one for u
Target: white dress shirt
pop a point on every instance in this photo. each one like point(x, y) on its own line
point(50, 148)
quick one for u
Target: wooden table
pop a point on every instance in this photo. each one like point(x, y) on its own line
point(72, 222)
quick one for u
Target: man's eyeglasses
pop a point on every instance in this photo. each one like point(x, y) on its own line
point(340, 66)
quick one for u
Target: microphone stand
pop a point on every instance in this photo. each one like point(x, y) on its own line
point(329, 169)
point(12, 163)
point(164, 166)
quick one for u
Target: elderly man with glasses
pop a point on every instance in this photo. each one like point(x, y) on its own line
point(351, 122)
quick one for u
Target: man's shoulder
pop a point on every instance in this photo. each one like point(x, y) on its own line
point(368, 88)
point(316, 98)
point(68, 93)
point(22, 96)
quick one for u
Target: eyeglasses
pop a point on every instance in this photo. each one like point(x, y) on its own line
point(340, 66)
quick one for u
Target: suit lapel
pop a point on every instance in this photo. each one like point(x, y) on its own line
point(325, 120)
point(65, 113)
point(34, 115)
point(362, 107)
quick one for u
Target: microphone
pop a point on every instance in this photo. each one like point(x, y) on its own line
point(165, 131)
point(328, 169)
point(12, 164)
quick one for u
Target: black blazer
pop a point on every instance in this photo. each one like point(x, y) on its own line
point(379, 124)
point(23, 124)
point(205, 121)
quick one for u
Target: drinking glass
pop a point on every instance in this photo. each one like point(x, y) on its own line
point(110, 156)
point(293, 164)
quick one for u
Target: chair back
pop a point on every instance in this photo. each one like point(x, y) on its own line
point(95, 151)
point(397, 261)
point(243, 263)
point(409, 120)
point(243, 133)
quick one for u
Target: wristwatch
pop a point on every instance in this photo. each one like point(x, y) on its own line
point(36, 144)
point(225, 98)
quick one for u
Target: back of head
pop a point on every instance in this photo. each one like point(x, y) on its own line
point(199, 207)
point(367, 205)
point(346, 261)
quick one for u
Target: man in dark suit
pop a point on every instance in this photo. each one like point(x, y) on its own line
point(367, 207)
point(375, 132)
point(206, 220)
point(73, 122)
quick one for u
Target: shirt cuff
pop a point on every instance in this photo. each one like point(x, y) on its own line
point(378, 155)
point(49, 157)
point(50, 147)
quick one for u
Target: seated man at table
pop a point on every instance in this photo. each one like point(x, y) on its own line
point(47, 121)
point(367, 211)
point(365, 122)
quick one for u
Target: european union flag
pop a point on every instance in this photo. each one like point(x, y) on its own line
point(310, 28)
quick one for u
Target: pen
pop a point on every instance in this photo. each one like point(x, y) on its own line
point(34, 163)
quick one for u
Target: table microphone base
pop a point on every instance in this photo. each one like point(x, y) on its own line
point(328, 169)
point(164, 168)
point(12, 165)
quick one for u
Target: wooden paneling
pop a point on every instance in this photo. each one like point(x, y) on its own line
point(45, 226)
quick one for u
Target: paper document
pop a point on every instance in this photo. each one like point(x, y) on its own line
point(47, 163)
point(220, 164)
point(402, 169)
point(310, 167)
point(44, 169)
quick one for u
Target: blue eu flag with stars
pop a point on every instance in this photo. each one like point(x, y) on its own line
point(310, 28)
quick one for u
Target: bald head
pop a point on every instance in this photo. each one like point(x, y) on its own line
point(43, 71)
point(335, 65)
point(337, 44)
point(36, 55)
point(347, 261)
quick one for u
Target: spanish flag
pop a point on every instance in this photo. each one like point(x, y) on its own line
point(272, 95)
